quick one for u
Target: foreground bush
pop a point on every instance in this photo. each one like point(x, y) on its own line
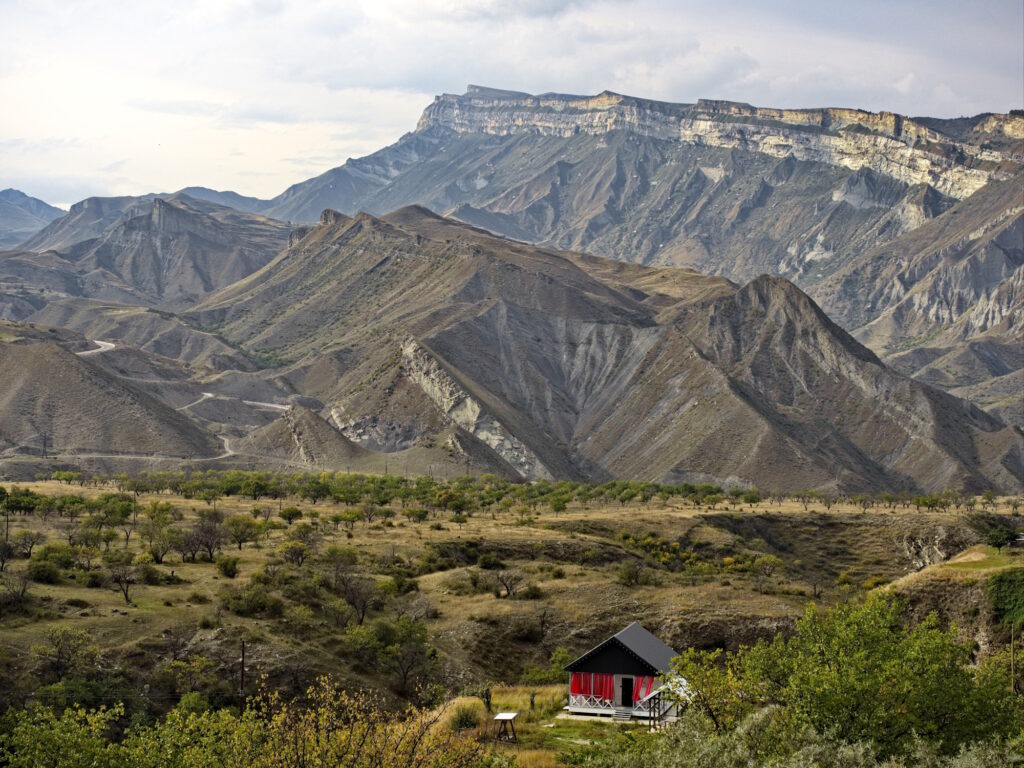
point(694, 742)
point(327, 729)
point(859, 673)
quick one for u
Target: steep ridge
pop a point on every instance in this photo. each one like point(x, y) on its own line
point(570, 366)
point(22, 216)
point(169, 251)
point(945, 303)
point(52, 399)
point(85, 220)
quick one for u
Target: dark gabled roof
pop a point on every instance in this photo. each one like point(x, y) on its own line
point(638, 642)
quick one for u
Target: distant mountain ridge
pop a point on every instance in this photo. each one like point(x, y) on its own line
point(167, 251)
point(21, 216)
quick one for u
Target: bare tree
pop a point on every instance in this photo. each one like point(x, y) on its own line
point(510, 580)
point(209, 535)
point(122, 573)
point(15, 584)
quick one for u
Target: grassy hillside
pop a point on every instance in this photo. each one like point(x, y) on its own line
point(704, 574)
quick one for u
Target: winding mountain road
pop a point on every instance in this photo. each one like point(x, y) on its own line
point(101, 347)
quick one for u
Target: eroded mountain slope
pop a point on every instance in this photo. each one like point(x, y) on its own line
point(566, 365)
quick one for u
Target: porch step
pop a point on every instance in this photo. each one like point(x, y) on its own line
point(622, 715)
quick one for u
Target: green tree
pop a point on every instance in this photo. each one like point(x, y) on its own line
point(290, 514)
point(858, 671)
point(68, 651)
point(241, 528)
point(74, 739)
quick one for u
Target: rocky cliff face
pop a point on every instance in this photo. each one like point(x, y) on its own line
point(887, 143)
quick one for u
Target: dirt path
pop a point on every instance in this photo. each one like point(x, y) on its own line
point(101, 346)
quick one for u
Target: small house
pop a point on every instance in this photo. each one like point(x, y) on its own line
point(620, 677)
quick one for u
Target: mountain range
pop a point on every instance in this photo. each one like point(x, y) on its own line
point(22, 216)
point(303, 331)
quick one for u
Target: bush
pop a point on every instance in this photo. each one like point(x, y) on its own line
point(43, 572)
point(228, 566)
point(149, 574)
point(490, 562)
point(252, 600)
point(94, 580)
point(532, 592)
point(465, 718)
point(61, 555)
point(199, 598)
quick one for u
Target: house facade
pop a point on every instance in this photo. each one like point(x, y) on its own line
point(622, 677)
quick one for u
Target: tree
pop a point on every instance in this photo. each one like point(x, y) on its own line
point(6, 553)
point(290, 514)
point(25, 541)
point(208, 536)
point(74, 739)
point(68, 651)
point(7, 512)
point(15, 587)
point(188, 545)
point(240, 529)
point(764, 567)
point(406, 653)
point(510, 580)
point(122, 572)
point(1000, 537)
point(712, 686)
point(856, 670)
point(359, 592)
point(295, 552)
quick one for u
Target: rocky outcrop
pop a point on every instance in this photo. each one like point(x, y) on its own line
point(466, 412)
point(885, 142)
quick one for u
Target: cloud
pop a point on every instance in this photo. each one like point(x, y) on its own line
point(121, 97)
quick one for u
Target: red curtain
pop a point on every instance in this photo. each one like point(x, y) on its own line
point(601, 686)
point(580, 683)
point(604, 686)
point(642, 687)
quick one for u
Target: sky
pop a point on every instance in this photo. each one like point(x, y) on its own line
point(121, 98)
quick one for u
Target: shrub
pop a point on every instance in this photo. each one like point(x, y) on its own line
point(94, 580)
point(465, 717)
point(61, 555)
point(199, 598)
point(490, 562)
point(532, 592)
point(228, 566)
point(43, 572)
point(252, 600)
point(149, 574)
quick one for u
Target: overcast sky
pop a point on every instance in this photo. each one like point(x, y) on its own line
point(108, 97)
